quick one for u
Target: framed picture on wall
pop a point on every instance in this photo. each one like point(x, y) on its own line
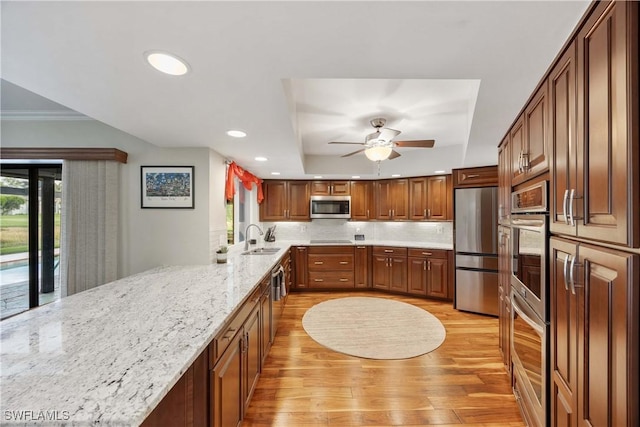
point(167, 187)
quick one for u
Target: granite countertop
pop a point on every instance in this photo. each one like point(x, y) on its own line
point(425, 245)
point(110, 354)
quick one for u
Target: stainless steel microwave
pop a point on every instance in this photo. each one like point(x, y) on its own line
point(331, 207)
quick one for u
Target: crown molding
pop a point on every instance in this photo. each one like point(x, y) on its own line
point(43, 115)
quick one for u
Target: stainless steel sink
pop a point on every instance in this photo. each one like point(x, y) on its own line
point(261, 251)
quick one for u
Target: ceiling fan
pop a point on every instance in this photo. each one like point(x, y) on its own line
point(380, 145)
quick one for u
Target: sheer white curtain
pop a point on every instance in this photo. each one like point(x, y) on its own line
point(89, 224)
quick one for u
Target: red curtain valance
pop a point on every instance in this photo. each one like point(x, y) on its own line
point(247, 178)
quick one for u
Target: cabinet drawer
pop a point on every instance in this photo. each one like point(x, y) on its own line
point(475, 177)
point(319, 262)
point(431, 253)
point(330, 279)
point(335, 250)
point(389, 250)
point(229, 331)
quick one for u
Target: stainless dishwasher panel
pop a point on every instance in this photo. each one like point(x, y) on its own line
point(477, 291)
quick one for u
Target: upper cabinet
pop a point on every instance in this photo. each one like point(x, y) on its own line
point(430, 198)
point(595, 151)
point(362, 204)
point(504, 181)
point(392, 199)
point(485, 176)
point(330, 188)
point(285, 201)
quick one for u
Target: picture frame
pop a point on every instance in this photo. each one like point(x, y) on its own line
point(167, 187)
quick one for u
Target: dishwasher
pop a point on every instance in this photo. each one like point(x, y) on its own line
point(278, 294)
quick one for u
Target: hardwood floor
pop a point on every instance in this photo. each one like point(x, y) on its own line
point(463, 382)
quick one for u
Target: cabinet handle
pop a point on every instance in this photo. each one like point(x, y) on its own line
point(565, 199)
point(393, 212)
point(566, 267)
point(427, 253)
point(319, 262)
point(388, 251)
point(525, 162)
point(429, 265)
point(389, 213)
point(520, 162)
point(230, 333)
point(302, 249)
point(318, 280)
point(571, 270)
point(344, 280)
point(424, 214)
point(424, 265)
point(429, 213)
point(571, 219)
point(473, 175)
point(367, 213)
point(360, 247)
point(344, 262)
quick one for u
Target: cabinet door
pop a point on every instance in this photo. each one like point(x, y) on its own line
point(362, 206)
point(607, 145)
point(504, 289)
point(266, 314)
point(418, 198)
point(274, 206)
point(608, 335)
point(564, 336)
point(226, 385)
point(299, 199)
point(437, 278)
point(380, 271)
point(417, 276)
point(320, 188)
point(300, 267)
point(340, 188)
point(398, 274)
point(439, 196)
point(504, 181)
point(400, 199)
point(361, 267)
point(517, 151)
point(383, 198)
point(536, 118)
point(562, 97)
point(252, 354)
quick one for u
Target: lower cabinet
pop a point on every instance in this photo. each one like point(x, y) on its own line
point(504, 295)
point(330, 267)
point(361, 266)
point(299, 256)
point(428, 273)
point(226, 384)
point(389, 268)
point(595, 335)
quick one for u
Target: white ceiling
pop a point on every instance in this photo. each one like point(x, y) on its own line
point(294, 75)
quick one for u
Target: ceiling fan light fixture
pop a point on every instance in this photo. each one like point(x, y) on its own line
point(378, 153)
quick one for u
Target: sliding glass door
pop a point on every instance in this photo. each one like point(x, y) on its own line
point(29, 236)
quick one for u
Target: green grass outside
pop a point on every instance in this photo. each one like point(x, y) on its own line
point(14, 233)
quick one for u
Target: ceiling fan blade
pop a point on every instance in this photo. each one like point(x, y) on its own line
point(354, 143)
point(387, 134)
point(394, 154)
point(355, 152)
point(420, 143)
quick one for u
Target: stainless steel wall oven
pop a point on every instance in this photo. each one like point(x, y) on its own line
point(529, 301)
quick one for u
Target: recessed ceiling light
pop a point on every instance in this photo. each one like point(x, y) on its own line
point(167, 62)
point(275, 173)
point(395, 175)
point(236, 133)
point(260, 159)
point(438, 171)
point(355, 176)
point(318, 176)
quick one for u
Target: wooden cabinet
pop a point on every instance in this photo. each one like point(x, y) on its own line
point(186, 404)
point(392, 199)
point(595, 335)
point(226, 385)
point(331, 267)
point(266, 318)
point(486, 176)
point(362, 202)
point(430, 198)
point(504, 181)
point(361, 266)
point(300, 264)
point(389, 268)
point(285, 201)
point(516, 138)
point(330, 188)
point(504, 295)
point(428, 273)
point(595, 174)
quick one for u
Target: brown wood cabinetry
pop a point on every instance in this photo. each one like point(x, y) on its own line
point(285, 201)
point(392, 199)
point(331, 267)
point(504, 181)
point(516, 138)
point(226, 385)
point(428, 273)
point(330, 188)
point(389, 268)
point(504, 295)
point(594, 182)
point(362, 201)
point(266, 317)
point(361, 256)
point(299, 255)
point(486, 176)
point(430, 198)
point(594, 335)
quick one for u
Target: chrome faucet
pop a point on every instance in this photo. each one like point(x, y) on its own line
point(246, 235)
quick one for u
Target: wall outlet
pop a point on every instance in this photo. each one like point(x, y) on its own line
point(303, 228)
point(439, 229)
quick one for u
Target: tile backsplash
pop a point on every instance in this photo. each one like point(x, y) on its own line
point(329, 229)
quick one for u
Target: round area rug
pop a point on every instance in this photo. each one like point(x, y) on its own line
point(373, 328)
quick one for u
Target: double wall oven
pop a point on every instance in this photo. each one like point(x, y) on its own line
point(529, 301)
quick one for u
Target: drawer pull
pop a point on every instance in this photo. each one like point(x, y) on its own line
point(388, 251)
point(427, 253)
point(344, 262)
point(473, 175)
point(230, 333)
point(344, 280)
point(360, 247)
point(318, 280)
point(319, 262)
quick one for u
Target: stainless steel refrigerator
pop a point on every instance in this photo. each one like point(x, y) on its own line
point(476, 247)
